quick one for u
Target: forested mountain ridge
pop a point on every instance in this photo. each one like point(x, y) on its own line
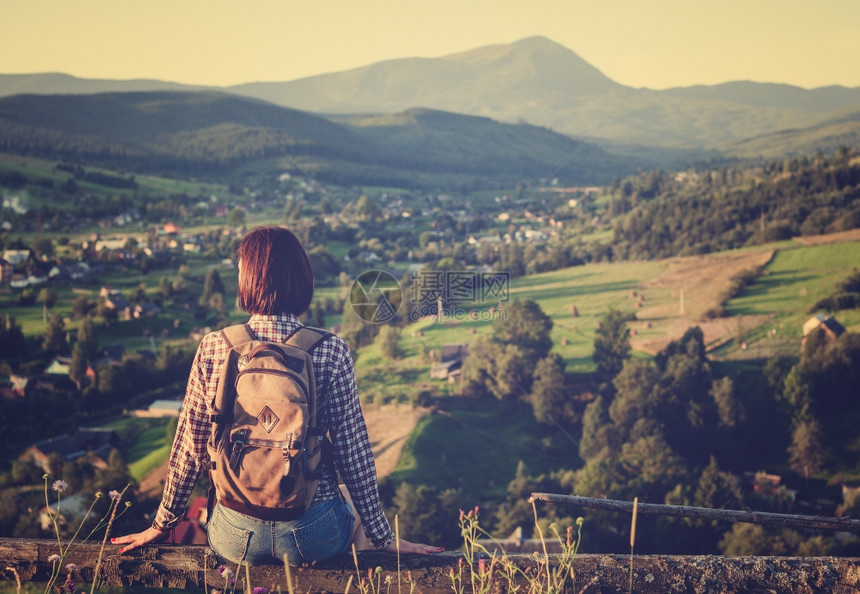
point(541, 82)
point(216, 132)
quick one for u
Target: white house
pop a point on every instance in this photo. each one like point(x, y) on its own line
point(16, 257)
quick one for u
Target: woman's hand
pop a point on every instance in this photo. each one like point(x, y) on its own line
point(413, 547)
point(134, 541)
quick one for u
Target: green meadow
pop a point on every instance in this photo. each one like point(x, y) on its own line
point(796, 278)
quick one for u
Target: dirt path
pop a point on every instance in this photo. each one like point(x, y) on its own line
point(388, 426)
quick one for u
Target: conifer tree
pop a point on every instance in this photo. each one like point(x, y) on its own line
point(549, 396)
point(88, 339)
point(54, 340)
point(78, 366)
point(611, 344)
point(806, 452)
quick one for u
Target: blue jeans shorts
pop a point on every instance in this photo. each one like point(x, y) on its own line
point(323, 532)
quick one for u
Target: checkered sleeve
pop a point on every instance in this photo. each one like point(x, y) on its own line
point(352, 451)
point(188, 456)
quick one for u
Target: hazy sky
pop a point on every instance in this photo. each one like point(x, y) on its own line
point(640, 43)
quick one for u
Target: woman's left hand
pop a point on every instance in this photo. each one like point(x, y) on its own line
point(413, 547)
point(139, 539)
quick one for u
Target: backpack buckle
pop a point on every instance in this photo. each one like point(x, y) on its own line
point(238, 448)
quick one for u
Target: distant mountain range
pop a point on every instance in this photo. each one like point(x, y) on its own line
point(220, 134)
point(538, 81)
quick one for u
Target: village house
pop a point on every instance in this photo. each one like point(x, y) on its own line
point(62, 446)
point(17, 387)
point(62, 364)
point(21, 386)
point(95, 442)
point(76, 271)
point(832, 329)
point(451, 363)
point(159, 409)
point(16, 257)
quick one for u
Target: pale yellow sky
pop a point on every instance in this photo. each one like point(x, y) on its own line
point(640, 43)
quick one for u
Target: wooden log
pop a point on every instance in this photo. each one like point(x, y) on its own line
point(704, 513)
point(188, 567)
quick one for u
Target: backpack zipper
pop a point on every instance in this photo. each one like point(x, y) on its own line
point(276, 372)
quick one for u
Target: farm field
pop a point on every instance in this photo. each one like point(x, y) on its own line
point(667, 297)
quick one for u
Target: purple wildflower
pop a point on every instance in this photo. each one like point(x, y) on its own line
point(60, 486)
point(72, 567)
point(54, 558)
point(260, 590)
point(114, 495)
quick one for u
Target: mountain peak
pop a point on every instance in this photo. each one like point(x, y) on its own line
point(534, 61)
point(539, 42)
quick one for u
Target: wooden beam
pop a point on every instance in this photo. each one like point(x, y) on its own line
point(188, 567)
point(704, 513)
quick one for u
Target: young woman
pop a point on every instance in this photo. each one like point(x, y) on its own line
point(275, 287)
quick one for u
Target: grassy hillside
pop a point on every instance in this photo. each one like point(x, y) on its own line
point(797, 277)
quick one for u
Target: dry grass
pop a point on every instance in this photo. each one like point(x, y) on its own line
point(696, 284)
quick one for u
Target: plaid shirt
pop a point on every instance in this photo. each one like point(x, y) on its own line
point(339, 412)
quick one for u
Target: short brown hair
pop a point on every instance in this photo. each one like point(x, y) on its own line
point(276, 275)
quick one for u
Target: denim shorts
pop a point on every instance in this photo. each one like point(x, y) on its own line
point(324, 531)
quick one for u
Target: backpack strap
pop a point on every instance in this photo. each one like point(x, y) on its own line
point(307, 338)
point(238, 334)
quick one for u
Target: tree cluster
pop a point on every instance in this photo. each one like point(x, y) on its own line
point(709, 213)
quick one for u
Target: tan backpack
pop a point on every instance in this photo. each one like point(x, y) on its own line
point(265, 446)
